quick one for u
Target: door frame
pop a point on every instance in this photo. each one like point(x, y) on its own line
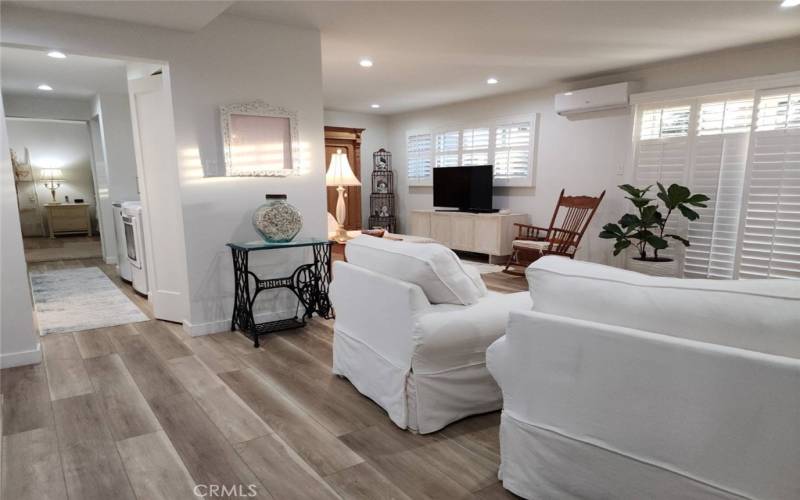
point(347, 137)
point(169, 298)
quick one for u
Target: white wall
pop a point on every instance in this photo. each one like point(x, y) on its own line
point(230, 60)
point(582, 156)
point(115, 161)
point(56, 144)
point(375, 136)
point(47, 107)
point(18, 342)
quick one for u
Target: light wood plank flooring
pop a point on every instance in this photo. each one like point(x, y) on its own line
point(43, 249)
point(144, 411)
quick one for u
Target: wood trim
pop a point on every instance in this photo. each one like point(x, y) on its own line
point(343, 133)
point(349, 140)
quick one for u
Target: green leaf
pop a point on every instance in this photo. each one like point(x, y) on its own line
point(678, 194)
point(611, 231)
point(698, 200)
point(651, 216)
point(620, 246)
point(629, 220)
point(662, 194)
point(688, 212)
point(656, 242)
point(640, 202)
point(634, 192)
point(679, 238)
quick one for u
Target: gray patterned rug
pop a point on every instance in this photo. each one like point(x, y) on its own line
point(71, 300)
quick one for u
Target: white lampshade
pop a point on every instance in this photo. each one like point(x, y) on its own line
point(339, 171)
point(51, 173)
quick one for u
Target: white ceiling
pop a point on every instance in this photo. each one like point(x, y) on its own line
point(76, 76)
point(429, 53)
point(185, 15)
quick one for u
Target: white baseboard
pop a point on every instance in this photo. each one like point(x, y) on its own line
point(224, 325)
point(12, 359)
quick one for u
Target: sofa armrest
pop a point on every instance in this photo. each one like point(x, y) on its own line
point(448, 336)
point(377, 310)
point(497, 361)
point(723, 415)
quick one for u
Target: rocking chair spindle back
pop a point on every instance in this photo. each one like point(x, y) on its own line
point(562, 237)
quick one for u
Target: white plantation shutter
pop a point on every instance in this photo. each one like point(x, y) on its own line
point(512, 150)
point(447, 149)
point(719, 160)
point(662, 155)
point(506, 143)
point(475, 146)
point(725, 117)
point(665, 122)
point(419, 155)
point(771, 231)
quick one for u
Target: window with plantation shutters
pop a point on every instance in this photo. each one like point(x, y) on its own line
point(512, 150)
point(508, 144)
point(447, 149)
point(770, 245)
point(419, 152)
point(475, 146)
point(718, 164)
point(663, 123)
point(662, 155)
point(744, 153)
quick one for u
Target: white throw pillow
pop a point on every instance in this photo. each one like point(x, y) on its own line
point(433, 267)
point(475, 275)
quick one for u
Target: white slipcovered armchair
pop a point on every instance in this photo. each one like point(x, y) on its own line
point(624, 386)
point(400, 343)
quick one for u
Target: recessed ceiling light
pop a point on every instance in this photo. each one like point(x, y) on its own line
point(56, 54)
point(790, 3)
point(45, 86)
point(365, 63)
point(492, 81)
point(567, 93)
point(375, 106)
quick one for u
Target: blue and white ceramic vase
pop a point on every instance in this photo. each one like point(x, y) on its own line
point(276, 220)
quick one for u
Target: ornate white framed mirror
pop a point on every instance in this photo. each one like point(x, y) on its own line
point(259, 140)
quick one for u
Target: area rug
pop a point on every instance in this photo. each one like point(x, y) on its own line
point(71, 300)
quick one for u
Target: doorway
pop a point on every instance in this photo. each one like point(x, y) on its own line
point(55, 186)
point(78, 168)
point(349, 141)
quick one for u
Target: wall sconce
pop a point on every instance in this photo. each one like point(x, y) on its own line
point(52, 179)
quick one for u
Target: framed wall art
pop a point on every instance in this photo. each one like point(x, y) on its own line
point(259, 140)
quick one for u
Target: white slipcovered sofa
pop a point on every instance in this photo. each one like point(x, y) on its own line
point(411, 331)
point(623, 386)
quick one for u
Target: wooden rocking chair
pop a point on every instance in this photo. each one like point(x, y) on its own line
point(561, 238)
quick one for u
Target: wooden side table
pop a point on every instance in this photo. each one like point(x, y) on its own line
point(68, 218)
point(309, 283)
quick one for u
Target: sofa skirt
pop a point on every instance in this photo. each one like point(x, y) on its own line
point(541, 463)
point(422, 402)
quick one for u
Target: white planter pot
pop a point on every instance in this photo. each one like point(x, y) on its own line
point(667, 268)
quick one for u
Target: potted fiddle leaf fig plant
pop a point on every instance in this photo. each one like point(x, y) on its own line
point(645, 231)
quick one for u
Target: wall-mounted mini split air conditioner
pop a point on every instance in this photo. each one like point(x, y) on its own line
point(607, 97)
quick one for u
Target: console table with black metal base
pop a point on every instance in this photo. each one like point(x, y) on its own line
point(309, 283)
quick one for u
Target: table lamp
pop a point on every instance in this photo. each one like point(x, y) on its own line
point(340, 175)
point(52, 178)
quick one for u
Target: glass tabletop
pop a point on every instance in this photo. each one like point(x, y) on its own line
point(263, 245)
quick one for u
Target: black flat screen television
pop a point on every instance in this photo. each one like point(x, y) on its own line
point(467, 189)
